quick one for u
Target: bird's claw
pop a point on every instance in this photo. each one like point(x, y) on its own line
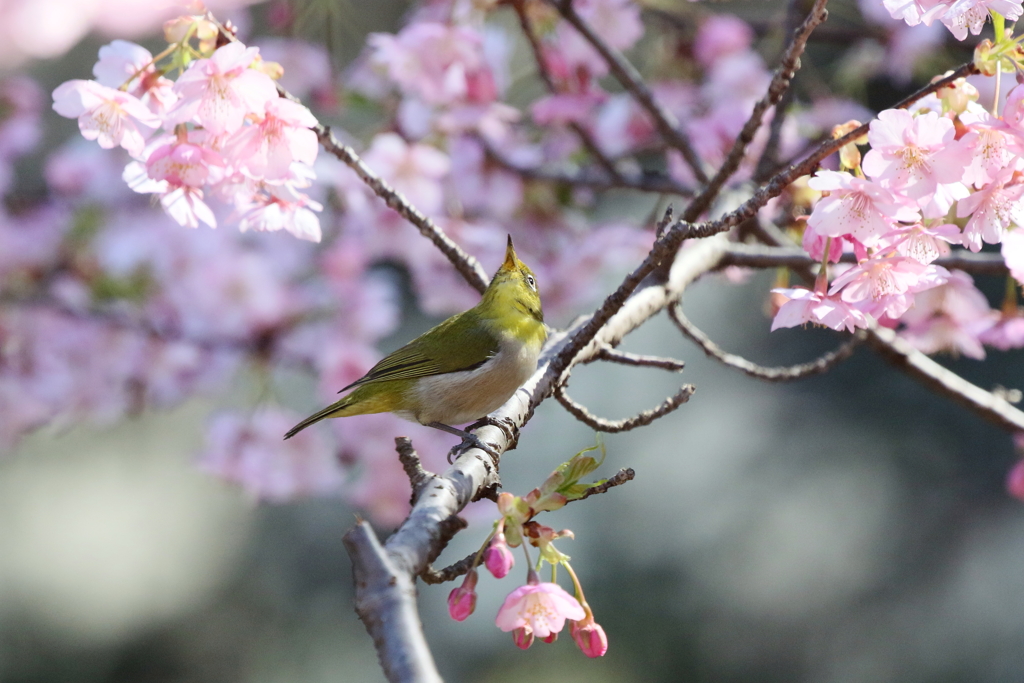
point(474, 441)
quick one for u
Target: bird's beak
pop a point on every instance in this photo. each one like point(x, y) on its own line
point(510, 256)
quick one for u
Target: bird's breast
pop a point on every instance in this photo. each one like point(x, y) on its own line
point(459, 397)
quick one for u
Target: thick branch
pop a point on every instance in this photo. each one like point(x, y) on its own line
point(664, 120)
point(945, 382)
point(643, 419)
point(386, 604)
point(778, 374)
point(762, 256)
point(779, 85)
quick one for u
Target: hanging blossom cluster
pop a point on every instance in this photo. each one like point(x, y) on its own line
point(946, 174)
point(219, 130)
point(537, 609)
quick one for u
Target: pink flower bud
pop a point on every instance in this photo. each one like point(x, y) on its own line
point(1015, 480)
point(523, 637)
point(498, 558)
point(462, 600)
point(589, 636)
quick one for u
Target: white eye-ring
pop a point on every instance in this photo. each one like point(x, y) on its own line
point(530, 281)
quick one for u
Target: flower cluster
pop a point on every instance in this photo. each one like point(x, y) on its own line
point(958, 16)
point(219, 130)
point(946, 174)
point(536, 609)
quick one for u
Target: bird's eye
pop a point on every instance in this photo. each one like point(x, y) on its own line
point(530, 281)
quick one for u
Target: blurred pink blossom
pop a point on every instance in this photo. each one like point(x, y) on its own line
point(249, 450)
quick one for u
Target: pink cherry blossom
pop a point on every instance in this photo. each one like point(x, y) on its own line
point(249, 451)
point(720, 35)
point(882, 286)
point(566, 107)
point(855, 206)
point(952, 317)
point(806, 306)
point(921, 243)
point(108, 116)
point(814, 244)
point(992, 149)
point(437, 63)
point(219, 92)
point(916, 11)
point(919, 157)
point(268, 148)
point(281, 207)
point(542, 608)
point(1013, 253)
point(415, 169)
point(964, 15)
point(1015, 480)
point(993, 209)
point(124, 63)
point(616, 21)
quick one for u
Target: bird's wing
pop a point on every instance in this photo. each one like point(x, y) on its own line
point(426, 355)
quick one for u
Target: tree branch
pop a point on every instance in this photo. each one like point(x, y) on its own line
point(779, 85)
point(466, 265)
point(664, 120)
point(777, 374)
point(620, 478)
point(943, 381)
point(582, 133)
point(601, 424)
point(625, 358)
point(762, 256)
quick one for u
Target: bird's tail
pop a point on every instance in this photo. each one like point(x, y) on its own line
point(329, 411)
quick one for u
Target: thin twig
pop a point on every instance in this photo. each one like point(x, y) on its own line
point(625, 358)
point(763, 256)
point(410, 459)
point(774, 187)
point(466, 265)
point(620, 478)
point(779, 85)
point(664, 120)
point(777, 374)
point(639, 420)
point(450, 573)
point(582, 133)
point(646, 181)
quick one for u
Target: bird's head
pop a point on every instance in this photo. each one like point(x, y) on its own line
point(513, 289)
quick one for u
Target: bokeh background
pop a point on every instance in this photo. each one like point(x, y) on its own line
point(846, 528)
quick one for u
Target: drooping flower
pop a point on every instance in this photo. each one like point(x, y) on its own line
point(541, 607)
point(882, 286)
point(807, 306)
point(993, 209)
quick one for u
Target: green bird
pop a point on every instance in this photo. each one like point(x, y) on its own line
point(461, 370)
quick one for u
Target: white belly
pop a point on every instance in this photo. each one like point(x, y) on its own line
point(460, 397)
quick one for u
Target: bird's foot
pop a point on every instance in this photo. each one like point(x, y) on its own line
point(505, 424)
point(468, 441)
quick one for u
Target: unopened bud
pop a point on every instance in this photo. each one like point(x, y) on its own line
point(522, 637)
point(462, 600)
point(498, 558)
point(590, 637)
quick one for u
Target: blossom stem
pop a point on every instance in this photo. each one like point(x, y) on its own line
point(579, 589)
point(999, 28)
point(1010, 297)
